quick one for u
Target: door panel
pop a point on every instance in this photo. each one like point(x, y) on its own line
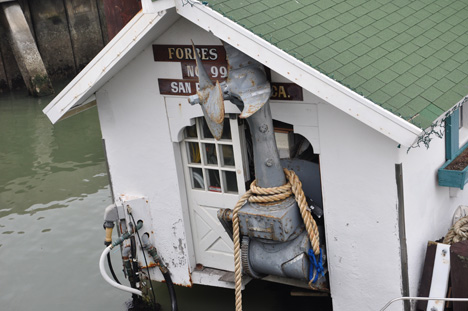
point(214, 178)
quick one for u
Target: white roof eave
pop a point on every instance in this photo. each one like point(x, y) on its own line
point(302, 74)
point(125, 46)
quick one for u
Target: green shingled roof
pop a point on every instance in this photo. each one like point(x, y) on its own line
point(410, 57)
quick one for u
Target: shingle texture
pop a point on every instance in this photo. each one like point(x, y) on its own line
point(410, 57)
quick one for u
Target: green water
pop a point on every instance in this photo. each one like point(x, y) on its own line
point(53, 188)
point(53, 191)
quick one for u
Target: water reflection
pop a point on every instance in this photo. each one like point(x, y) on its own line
point(53, 189)
point(41, 163)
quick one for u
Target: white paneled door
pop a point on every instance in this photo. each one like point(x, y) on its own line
point(215, 178)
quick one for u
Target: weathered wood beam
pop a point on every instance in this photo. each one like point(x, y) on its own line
point(27, 13)
point(459, 274)
point(85, 31)
point(25, 50)
point(119, 13)
point(3, 77)
point(435, 275)
point(53, 38)
point(14, 79)
point(102, 21)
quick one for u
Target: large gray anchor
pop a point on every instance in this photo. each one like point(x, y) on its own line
point(274, 241)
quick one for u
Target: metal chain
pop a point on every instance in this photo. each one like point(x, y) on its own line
point(268, 195)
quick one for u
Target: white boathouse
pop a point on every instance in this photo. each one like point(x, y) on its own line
point(364, 85)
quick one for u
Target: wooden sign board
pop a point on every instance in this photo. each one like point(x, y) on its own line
point(459, 272)
point(286, 91)
point(184, 87)
point(215, 64)
point(216, 71)
point(177, 87)
point(179, 53)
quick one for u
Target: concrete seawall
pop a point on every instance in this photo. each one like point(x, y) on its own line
point(68, 34)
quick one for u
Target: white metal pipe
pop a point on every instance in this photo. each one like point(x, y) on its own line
point(422, 298)
point(109, 280)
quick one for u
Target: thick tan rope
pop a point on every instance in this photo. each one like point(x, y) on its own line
point(268, 195)
point(309, 221)
point(237, 251)
point(458, 232)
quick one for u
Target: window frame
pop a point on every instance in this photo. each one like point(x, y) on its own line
point(220, 166)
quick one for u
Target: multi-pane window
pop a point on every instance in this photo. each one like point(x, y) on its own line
point(211, 162)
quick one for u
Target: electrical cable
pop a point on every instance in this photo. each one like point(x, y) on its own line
point(109, 280)
point(109, 263)
point(134, 265)
point(146, 262)
point(163, 268)
point(171, 289)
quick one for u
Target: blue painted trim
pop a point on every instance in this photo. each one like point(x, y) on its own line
point(452, 125)
point(455, 179)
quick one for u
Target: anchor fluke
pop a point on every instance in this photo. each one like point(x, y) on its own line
point(247, 81)
point(210, 97)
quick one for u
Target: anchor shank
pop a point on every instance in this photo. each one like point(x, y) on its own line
point(268, 169)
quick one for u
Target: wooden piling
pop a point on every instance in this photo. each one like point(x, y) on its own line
point(67, 33)
point(27, 14)
point(53, 38)
point(3, 78)
point(25, 50)
point(119, 13)
point(103, 21)
point(85, 30)
point(10, 75)
point(459, 274)
point(12, 72)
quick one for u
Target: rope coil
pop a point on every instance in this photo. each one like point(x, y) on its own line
point(458, 232)
point(257, 194)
